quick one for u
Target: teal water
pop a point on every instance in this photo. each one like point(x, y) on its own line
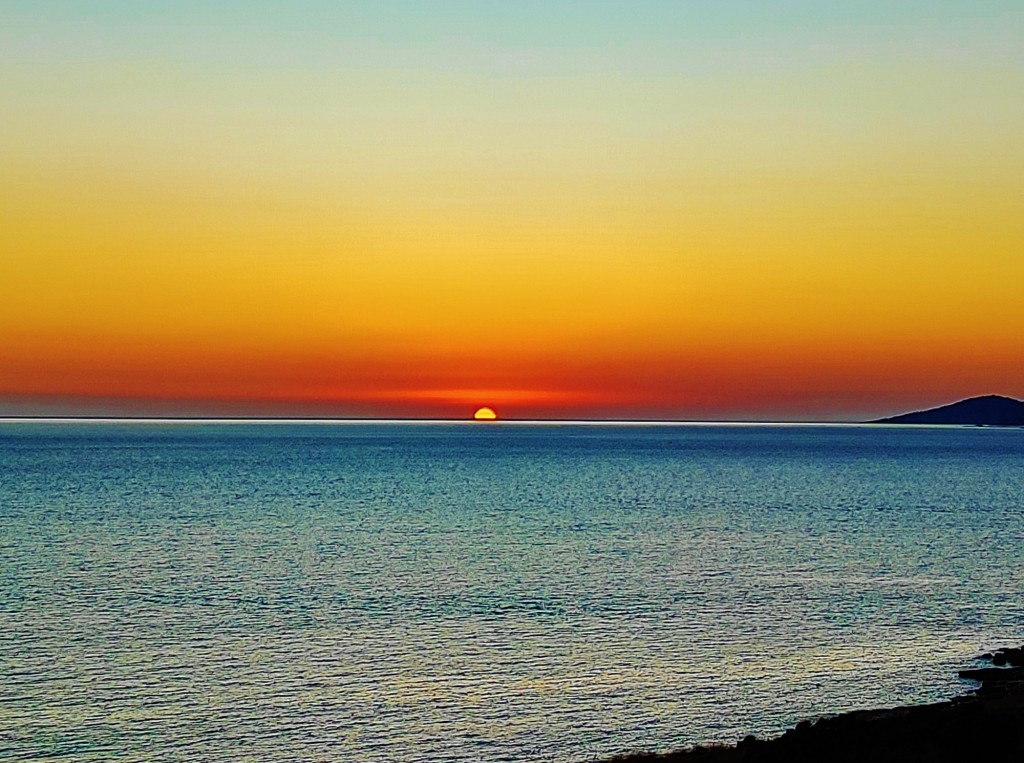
point(418, 592)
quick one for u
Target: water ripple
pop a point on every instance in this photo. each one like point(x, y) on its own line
point(302, 594)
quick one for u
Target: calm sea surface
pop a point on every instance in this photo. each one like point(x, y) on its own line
point(418, 592)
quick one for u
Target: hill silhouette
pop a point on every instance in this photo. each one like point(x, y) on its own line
point(989, 410)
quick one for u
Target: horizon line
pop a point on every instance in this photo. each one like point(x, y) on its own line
point(414, 420)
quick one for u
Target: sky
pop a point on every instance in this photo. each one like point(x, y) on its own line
point(726, 210)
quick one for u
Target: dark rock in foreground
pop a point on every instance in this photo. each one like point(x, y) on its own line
point(990, 410)
point(985, 726)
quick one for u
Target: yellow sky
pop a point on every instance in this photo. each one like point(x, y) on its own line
point(405, 223)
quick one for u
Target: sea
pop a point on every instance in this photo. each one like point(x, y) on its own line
point(438, 591)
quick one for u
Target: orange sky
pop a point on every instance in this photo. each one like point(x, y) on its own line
point(654, 218)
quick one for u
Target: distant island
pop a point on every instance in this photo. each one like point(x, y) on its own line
point(988, 410)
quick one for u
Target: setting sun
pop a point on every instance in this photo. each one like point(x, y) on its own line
point(485, 414)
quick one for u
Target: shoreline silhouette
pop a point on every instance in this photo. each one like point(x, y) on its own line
point(987, 724)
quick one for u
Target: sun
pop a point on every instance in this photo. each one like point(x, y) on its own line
point(485, 414)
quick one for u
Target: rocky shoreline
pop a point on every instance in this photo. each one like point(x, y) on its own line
point(985, 725)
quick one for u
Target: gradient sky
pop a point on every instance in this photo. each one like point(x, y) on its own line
point(696, 210)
